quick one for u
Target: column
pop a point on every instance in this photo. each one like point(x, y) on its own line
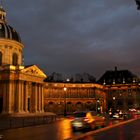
point(4, 97)
point(18, 96)
point(39, 99)
point(22, 96)
point(35, 107)
point(9, 96)
point(42, 98)
point(26, 86)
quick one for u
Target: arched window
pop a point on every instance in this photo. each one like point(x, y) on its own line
point(0, 58)
point(15, 59)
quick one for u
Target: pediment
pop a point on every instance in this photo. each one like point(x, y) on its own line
point(34, 70)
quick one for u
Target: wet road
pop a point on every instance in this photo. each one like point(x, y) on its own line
point(59, 130)
point(129, 131)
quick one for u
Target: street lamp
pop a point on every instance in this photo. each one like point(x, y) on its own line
point(114, 103)
point(98, 109)
point(65, 104)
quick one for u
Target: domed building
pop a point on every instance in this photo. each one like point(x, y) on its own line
point(10, 43)
point(21, 87)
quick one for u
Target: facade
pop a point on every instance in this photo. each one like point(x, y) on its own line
point(122, 89)
point(70, 97)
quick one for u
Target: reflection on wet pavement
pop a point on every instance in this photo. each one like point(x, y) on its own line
point(67, 133)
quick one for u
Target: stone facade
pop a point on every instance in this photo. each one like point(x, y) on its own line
point(11, 50)
point(74, 96)
point(123, 96)
point(21, 92)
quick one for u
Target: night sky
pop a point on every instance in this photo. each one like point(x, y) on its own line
point(76, 36)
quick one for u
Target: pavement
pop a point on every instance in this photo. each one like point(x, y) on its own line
point(23, 120)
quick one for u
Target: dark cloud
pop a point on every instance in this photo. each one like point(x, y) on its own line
point(70, 36)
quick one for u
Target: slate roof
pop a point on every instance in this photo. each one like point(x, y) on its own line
point(118, 77)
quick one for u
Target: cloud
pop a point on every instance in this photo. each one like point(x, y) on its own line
point(71, 36)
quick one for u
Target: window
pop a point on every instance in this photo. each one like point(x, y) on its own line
point(15, 59)
point(0, 58)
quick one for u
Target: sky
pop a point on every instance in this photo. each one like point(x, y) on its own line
point(77, 36)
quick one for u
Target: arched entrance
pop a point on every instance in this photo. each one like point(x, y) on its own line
point(89, 106)
point(69, 108)
point(50, 107)
point(79, 106)
point(1, 104)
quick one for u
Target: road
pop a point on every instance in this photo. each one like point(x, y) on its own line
point(59, 130)
point(129, 131)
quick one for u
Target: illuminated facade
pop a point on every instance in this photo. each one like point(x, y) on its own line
point(73, 97)
point(122, 89)
point(21, 87)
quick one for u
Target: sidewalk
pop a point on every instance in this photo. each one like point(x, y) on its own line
point(24, 120)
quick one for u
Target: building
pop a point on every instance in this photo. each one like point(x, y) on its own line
point(74, 96)
point(21, 87)
point(122, 89)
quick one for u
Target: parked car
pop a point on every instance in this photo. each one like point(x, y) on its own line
point(87, 119)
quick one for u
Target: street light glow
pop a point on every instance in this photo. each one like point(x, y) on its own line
point(65, 89)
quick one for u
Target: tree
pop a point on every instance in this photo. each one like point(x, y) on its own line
point(54, 77)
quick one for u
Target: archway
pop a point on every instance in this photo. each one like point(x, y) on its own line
point(88, 106)
point(79, 106)
point(69, 108)
point(50, 107)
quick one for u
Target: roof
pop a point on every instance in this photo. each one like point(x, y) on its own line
point(7, 32)
point(118, 77)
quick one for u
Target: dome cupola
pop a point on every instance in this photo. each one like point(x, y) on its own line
point(6, 31)
point(11, 47)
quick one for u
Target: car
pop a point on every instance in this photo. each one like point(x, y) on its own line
point(87, 120)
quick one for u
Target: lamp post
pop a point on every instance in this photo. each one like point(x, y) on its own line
point(114, 103)
point(98, 109)
point(65, 104)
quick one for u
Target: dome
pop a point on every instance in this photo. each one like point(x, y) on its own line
point(6, 31)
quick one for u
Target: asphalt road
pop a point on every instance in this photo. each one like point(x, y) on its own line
point(61, 130)
point(129, 131)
